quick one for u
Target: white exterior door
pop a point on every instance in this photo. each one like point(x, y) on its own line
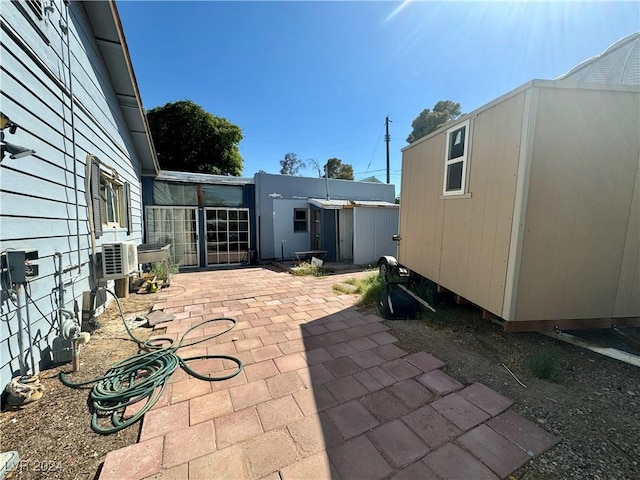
point(345, 221)
point(177, 226)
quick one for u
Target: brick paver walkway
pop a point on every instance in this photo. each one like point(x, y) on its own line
point(324, 393)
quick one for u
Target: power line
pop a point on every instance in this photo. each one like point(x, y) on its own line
point(394, 172)
point(376, 147)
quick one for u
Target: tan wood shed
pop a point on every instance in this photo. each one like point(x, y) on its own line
point(529, 207)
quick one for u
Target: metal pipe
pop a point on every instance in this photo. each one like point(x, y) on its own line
point(75, 349)
point(73, 137)
point(23, 370)
point(418, 299)
point(67, 329)
point(72, 280)
point(60, 292)
point(33, 363)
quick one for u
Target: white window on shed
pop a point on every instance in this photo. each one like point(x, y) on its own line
point(455, 171)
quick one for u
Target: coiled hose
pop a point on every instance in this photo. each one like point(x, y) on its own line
point(144, 376)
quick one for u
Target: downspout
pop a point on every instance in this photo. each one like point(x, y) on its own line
point(73, 136)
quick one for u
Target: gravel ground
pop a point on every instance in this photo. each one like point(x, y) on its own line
point(53, 436)
point(594, 408)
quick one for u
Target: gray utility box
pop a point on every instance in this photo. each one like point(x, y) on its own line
point(17, 266)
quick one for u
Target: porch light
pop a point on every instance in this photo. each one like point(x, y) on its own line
point(14, 151)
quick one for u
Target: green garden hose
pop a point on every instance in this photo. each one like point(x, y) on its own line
point(143, 377)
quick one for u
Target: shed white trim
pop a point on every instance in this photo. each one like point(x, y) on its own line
point(520, 205)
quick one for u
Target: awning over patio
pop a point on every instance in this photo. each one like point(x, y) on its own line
point(338, 204)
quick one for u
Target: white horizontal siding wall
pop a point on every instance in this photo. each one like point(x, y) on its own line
point(37, 195)
point(373, 229)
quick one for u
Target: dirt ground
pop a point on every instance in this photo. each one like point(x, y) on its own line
point(594, 408)
point(53, 436)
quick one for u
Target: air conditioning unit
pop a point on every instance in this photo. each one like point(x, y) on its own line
point(119, 259)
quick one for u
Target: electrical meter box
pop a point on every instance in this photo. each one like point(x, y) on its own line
point(17, 266)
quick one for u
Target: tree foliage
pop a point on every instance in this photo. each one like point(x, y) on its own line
point(430, 120)
point(334, 168)
point(190, 139)
point(316, 165)
point(291, 164)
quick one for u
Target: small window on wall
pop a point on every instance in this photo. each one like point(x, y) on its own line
point(455, 171)
point(108, 198)
point(300, 220)
point(112, 202)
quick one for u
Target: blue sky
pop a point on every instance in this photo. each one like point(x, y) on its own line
point(318, 78)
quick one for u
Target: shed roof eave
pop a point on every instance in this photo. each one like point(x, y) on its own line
point(337, 204)
point(194, 177)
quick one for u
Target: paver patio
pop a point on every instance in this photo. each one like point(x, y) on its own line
point(325, 393)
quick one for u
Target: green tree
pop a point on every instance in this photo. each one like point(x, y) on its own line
point(291, 164)
point(190, 139)
point(430, 120)
point(334, 168)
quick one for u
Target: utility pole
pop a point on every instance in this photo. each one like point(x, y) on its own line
point(387, 138)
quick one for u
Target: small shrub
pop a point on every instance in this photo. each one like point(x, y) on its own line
point(163, 269)
point(306, 269)
point(545, 365)
point(371, 288)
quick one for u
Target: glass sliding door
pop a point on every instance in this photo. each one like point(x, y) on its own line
point(177, 226)
point(227, 231)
